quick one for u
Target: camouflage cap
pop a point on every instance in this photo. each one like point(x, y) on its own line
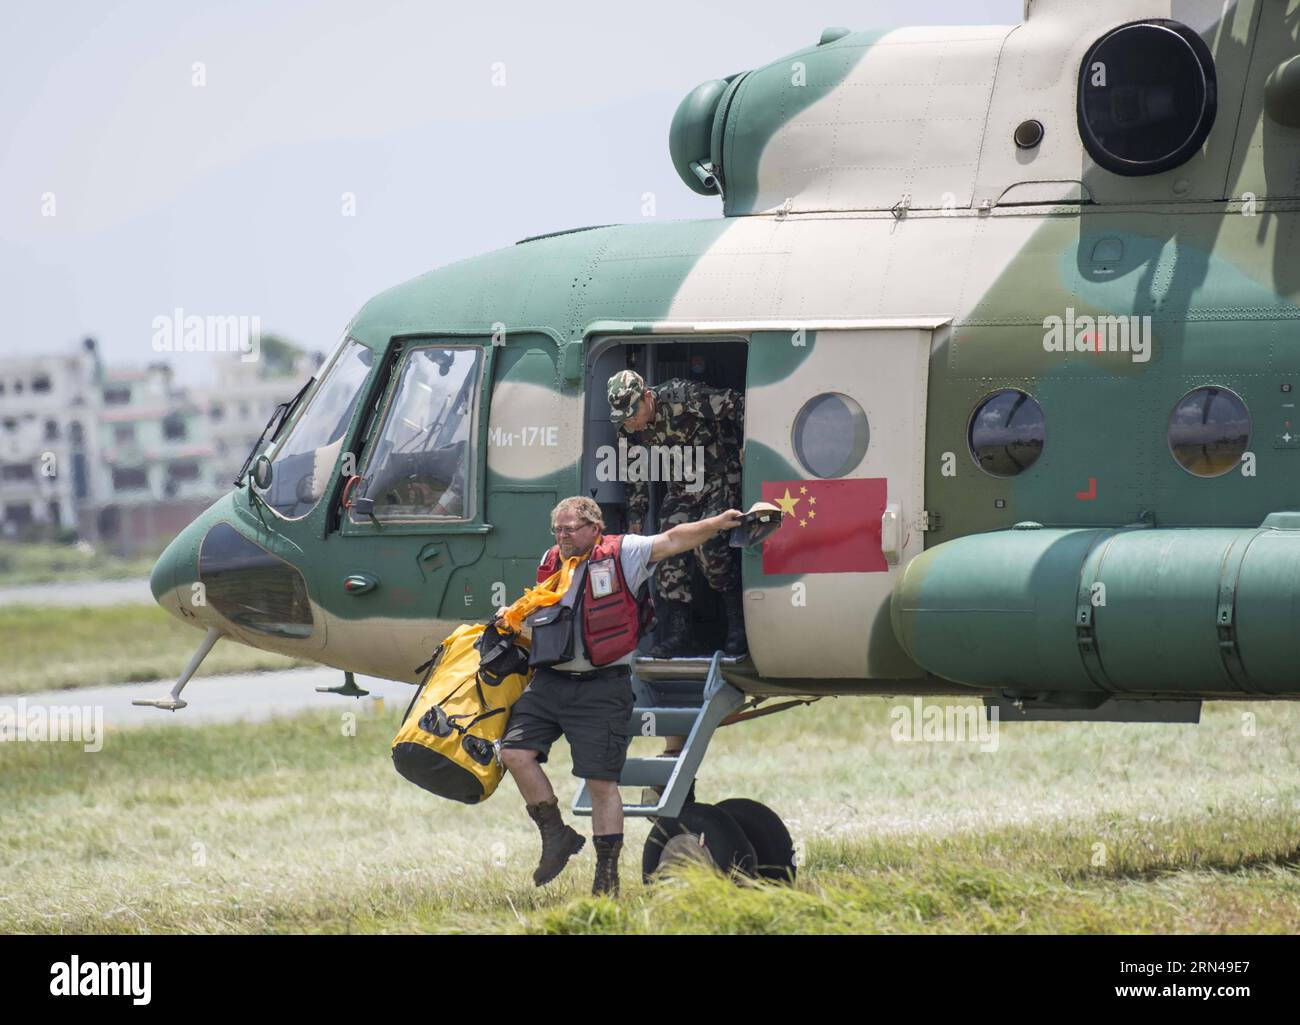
point(625, 391)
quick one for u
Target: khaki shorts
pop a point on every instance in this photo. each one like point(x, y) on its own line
point(593, 715)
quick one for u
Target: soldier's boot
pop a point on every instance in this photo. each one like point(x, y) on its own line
point(606, 881)
point(559, 842)
point(736, 642)
point(675, 631)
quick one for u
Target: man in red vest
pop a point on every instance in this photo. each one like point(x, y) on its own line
point(589, 699)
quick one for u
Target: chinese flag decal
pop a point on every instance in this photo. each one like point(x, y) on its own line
point(829, 526)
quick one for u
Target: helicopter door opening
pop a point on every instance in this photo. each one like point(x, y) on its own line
point(835, 436)
point(716, 361)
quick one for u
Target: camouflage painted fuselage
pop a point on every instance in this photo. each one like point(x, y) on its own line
point(884, 238)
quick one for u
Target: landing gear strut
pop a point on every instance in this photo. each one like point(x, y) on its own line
point(349, 689)
point(173, 701)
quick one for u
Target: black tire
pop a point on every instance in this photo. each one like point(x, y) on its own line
point(773, 848)
point(724, 839)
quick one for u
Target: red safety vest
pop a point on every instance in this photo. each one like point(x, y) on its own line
point(613, 623)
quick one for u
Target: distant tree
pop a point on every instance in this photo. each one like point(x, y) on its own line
point(279, 355)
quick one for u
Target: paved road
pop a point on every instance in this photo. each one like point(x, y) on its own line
point(227, 698)
point(90, 592)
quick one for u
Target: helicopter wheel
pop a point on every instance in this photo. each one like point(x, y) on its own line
point(773, 848)
point(702, 832)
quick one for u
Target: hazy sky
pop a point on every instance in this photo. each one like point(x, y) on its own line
point(226, 198)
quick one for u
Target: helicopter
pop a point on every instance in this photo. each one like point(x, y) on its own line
point(1012, 309)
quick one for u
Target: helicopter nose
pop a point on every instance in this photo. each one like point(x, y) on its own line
point(177, 566)
point(164, 571)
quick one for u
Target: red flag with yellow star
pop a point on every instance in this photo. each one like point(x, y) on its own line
point(829, 526)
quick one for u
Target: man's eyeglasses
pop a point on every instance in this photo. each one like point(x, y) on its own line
point(563, 531)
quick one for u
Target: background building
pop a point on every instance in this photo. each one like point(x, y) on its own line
point(153, 447)
point(48, 435)
point(122, 457)
point(241, 400)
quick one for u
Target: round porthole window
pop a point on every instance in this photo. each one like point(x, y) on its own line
point(1147, 97)
point(830, 435)
point(1006, 433)
point(1209, 431)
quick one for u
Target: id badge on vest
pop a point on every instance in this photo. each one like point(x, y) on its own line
point(602, 578)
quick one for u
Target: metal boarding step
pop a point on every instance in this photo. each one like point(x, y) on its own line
point(687, 700)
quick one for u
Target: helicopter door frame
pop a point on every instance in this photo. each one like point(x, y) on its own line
point(600, 340)
point(476, 487)
point(824, 599)
point(845, 629)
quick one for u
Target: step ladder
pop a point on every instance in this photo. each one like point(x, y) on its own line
point(677, 697)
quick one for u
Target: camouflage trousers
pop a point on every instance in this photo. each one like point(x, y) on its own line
point(718, 561)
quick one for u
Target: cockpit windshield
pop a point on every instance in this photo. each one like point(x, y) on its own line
point(303, 464)
point(419, 465)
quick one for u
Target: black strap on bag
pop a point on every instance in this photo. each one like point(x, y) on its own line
point(558, 627)
point(433, 660)
point(499, 655)
point(476, 720)
point(513, 662)
point(555, 626)
point(435, 714)
point(442, 717)
point(421, 668)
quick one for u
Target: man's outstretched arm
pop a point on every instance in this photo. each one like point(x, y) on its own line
point(685, 536)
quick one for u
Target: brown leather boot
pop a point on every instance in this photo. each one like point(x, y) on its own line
point(606, 880)
point(559, 842)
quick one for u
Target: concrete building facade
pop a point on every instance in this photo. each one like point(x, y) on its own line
point(48, 441)
point(122, 457)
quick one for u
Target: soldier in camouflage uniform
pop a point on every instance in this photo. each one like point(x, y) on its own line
point(687, 413)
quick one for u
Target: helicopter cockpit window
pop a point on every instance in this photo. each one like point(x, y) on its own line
point(1147, 97)
point(1209, 431)
point(1006, 433)
point(304, 463)
point(251, 587)
point(420, 466)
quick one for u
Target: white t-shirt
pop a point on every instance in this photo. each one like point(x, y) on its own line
point(634, 553)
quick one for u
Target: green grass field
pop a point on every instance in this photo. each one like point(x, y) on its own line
point(294, 826)
point(51, 648)
point(22, 563)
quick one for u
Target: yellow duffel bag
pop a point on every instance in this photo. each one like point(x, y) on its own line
point(447, 741)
